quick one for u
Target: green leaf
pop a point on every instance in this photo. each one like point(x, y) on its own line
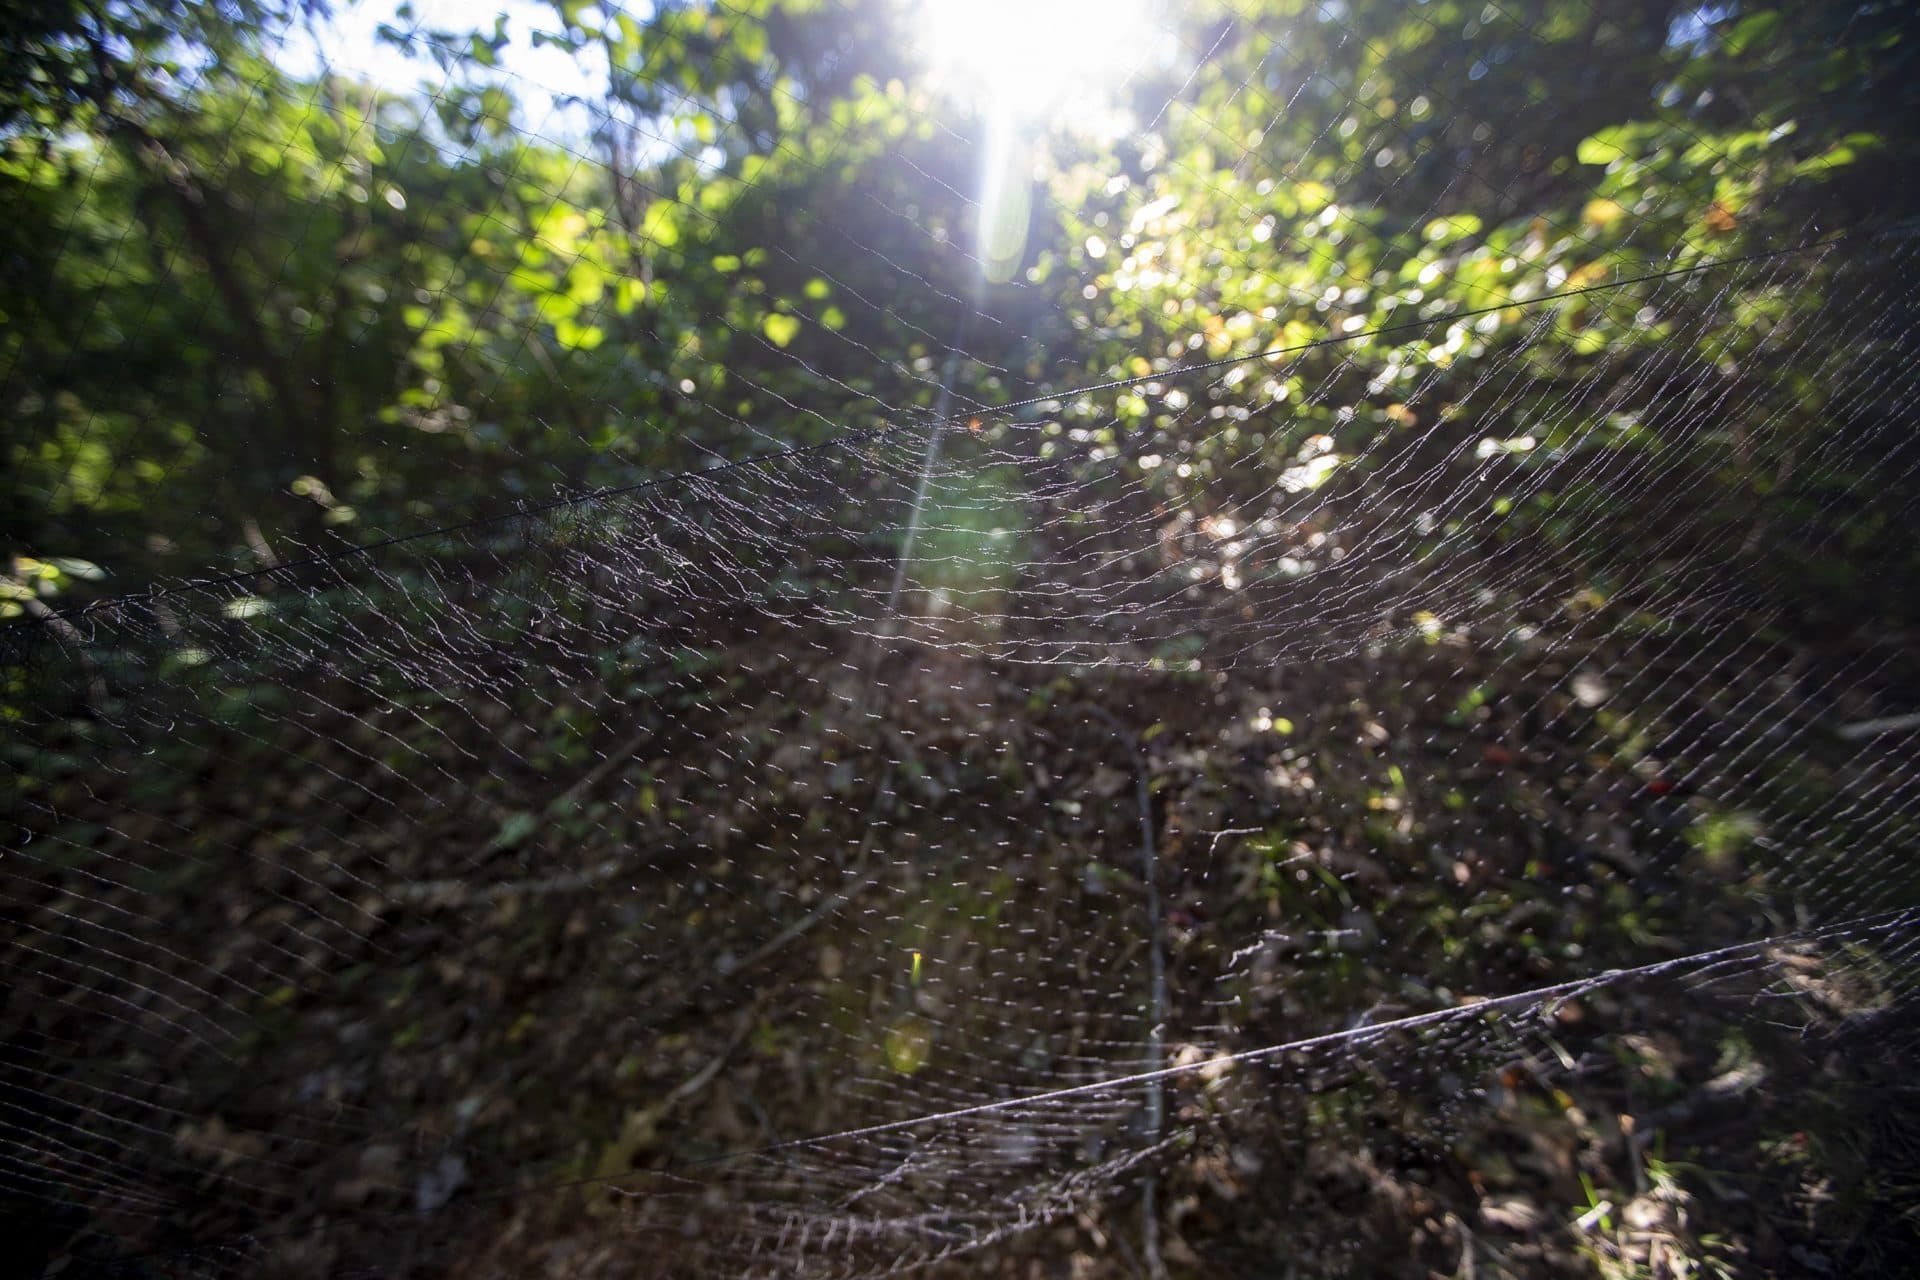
point(84, 569)
point(579, 337)
point(660, 226)
point(626, 38)
point(1456, 227)
point(1836, 157)
point(1755, 29)
point(909, 1044)
point(515, 830)
point(780, 328)
point(1609, 145)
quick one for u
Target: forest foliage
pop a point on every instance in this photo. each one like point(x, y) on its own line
point(250, 312)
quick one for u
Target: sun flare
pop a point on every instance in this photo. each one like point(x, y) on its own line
point(1035, 68)
point(1036, 59)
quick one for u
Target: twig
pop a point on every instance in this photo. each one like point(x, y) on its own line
point(856, 884)
point(75, 644)
point(643, 1126)
point(594, 776)
point(456, 892)
point(700, 1079)
point(1873, 728)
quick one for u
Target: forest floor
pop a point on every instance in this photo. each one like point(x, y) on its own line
point(562, 999)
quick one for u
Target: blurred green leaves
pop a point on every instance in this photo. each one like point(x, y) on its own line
point(414, 307)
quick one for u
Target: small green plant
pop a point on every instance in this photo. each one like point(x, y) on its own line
point(1722, 834)
point(1648, 1234)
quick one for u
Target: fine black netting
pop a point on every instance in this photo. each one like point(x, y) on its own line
point(684, 686)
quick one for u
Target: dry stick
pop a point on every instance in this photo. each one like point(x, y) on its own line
point(648, 1119)
point(703, 1077)
point(1873, 728)
point(73, 642)
point(856, 883)
point(554, 808)
point(614, 759)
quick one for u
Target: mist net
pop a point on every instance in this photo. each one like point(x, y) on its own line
point(1313, 675)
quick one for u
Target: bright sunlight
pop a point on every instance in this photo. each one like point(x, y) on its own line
point(1034, 68)
point(1038, 58)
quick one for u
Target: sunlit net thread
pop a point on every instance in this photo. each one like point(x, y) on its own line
point(1370, 549)
point(1014, 1135)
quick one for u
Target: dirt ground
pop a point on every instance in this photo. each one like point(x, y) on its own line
point(611, 1025)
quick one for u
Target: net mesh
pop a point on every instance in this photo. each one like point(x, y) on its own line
point(1307, 724)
